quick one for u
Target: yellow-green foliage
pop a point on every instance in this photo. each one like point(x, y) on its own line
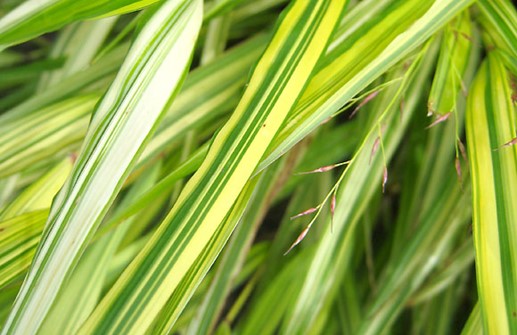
point(258, 167)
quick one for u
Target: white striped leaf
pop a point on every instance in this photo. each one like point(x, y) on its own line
point(122, 123)
point(275, 85)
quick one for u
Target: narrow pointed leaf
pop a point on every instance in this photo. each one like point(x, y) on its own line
point(20, 235)
point(36, 17)
point(321, 275)
point(122, 123)
point(452, 63)
point(34, 139)
point(491, 120)
point(474, 325)
point(40, 194)
point(384, 45)
point(233, 257)
point(275, 85)
point(78, 44)
point(16, 253)
point(89, 275)
point(500, 21)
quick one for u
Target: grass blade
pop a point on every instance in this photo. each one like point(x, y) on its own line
point(500, 20)
point(20, 235)
point(490, 123)
point(89, 275)
point(474, 325)
point(123, 121)
point(34, 140)
point(276, 83)
point(453, 61)
point(36, 17)
point(331, 95)
point(353, 193)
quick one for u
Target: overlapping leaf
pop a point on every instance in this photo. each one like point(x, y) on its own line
point(275, 85)
point(36, 17)
point(122, 123)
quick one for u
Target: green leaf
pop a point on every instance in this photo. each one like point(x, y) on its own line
point(39, 194)
point(168, 315)
point(78, 43)
point(350, 72)
point(78, 82)
point(20, 235)
point(16, 76)
point(89, 275)
point(32, 138)
point(275, 85)
point(123, 121)
point(491, 127)
point(233, 257)
point(208, 92)
point(500, 20)
point(453, 61)
point(453, 268)
point(355, 187)
point(23, 222)
point(474, 325)
point(36, 17)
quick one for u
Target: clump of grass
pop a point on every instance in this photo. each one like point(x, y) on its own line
point(229, 166)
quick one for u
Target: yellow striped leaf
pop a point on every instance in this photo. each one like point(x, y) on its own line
point(490, 123)
point(275, 85)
